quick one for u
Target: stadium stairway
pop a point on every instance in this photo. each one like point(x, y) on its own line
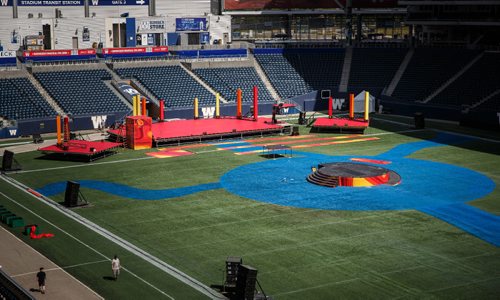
point(399, 73)
point(346, 70)
point(201, 82)
point(493, 95)
point(144, 91)
point(113, 89)
point(452, 79)
point(263, 76)
point(45, 94)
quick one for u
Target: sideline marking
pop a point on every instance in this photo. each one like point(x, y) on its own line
point(83, 165)
point(177, 274)
point(33, 249)
point(61, 268)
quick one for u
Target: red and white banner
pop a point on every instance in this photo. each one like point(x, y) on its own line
point(108, 51)
point(47, 53)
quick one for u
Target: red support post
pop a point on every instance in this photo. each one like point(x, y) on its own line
point(255, 103)
point(143, 107)
point(239, 113)
point(162, 110)
point(66, 129)
point(330, 107)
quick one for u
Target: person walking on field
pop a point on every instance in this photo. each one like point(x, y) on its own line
point(115, 266)
point(41, 280)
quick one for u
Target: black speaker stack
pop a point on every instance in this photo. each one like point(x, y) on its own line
point(232, 265)
point(72, 196)
point(9, 163)
point(419, 120)
point(245, 284)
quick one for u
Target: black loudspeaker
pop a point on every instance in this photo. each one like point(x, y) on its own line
point(232, 265)
point(71, 195)
point(245, 285)
point(419, 121)
point(295, 130)
point(8, 158)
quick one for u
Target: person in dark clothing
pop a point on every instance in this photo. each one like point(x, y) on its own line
point(41, 280)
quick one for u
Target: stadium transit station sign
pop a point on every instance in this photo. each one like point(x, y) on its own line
point(74, 2)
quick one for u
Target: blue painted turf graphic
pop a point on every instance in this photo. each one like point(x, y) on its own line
point(470, 219)
point(435, 188)
point(130, 192)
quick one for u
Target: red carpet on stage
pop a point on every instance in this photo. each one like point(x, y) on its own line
point(201, 127)
point(79, 147)
point(182, 130)
point(341, 123)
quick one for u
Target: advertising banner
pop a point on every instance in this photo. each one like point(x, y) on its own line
point(7, 58)
point(191, 24)
point(135, 52)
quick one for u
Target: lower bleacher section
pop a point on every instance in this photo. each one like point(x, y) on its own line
point(478, 82)
point(227, 80)
point(81, 92)
point(20, 100)
point(170, 83)
point(295, 72)
point(428, 69)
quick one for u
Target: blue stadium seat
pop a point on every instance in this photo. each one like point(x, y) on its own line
point(81, 92)
point(170, 83)
point(227, 80)
point(20, 100)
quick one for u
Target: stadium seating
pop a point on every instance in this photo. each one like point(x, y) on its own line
point(375, 67)
point(283, 75)
point(300, 71)
point(81, 92)
point(428, 69)
point(20, 100)
point(170, 83)
point(227, 80)
point(478, 82)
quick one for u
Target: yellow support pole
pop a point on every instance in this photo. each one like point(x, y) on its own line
point(217, 107)
point(134, 105)
point(196, 108)
point(367, 105)
point(58, 124)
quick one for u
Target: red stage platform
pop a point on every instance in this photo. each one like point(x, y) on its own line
point(86, 149)
point(341, 124)
point(189, 130)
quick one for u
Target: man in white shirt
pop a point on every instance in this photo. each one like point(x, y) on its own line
point(115, 266)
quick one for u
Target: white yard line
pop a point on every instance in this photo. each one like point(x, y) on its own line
point(62, 268)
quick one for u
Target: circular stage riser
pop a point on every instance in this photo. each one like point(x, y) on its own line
point(352, 175)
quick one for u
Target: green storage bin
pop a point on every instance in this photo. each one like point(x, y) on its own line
point(15, 222)
point(5, 216)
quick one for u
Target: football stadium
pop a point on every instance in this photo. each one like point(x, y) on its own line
point(236, 149)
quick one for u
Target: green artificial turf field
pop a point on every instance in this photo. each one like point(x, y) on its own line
point(299, 253)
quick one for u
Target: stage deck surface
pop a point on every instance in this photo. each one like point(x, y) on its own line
point(181, 130)
point(340, 123)
point(79, 147)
